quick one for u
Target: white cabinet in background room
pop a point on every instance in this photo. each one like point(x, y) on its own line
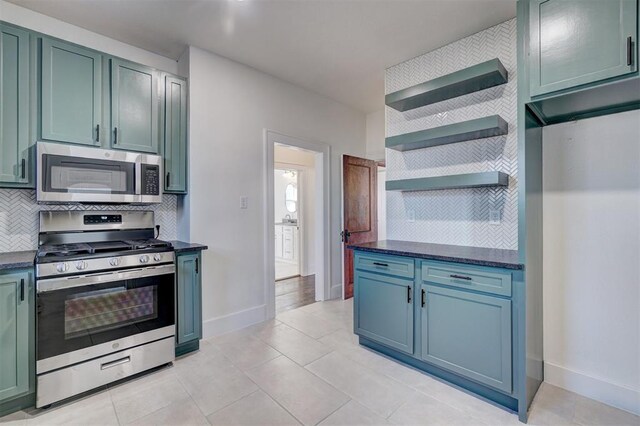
point(287, 243)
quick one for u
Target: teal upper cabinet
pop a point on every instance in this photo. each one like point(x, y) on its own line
point(16, 334)
point(384, 309)
point(175, 134)
point(134, 107)
point(189, 305)
point(578, 42)
point(14, 105)
point(71, 101)
point(467, 333)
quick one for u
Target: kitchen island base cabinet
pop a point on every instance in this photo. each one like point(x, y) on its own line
point(470, 322)
point(17, 343)
point(189, 302)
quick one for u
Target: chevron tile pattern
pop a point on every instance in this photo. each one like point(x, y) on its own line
point(19, 217)
point(460, 216)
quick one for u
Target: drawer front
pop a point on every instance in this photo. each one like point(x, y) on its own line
point(488, 280)
point(391, 265)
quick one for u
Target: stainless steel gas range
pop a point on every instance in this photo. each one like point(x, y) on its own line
point(105, 300)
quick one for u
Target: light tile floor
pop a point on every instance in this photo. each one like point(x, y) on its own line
point(303, 367)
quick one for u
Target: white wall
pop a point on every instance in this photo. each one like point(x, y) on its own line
point(375, 135)
point(230, 107)
point(591, 178)
point(35, 21)
point(382, 204)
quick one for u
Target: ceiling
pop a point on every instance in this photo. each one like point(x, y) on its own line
point(338, 48)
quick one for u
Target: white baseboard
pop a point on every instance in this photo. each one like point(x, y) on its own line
point(234, 321)
point(336, 292)
point(595, 388)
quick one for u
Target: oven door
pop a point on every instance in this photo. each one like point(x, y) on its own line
point(67, 173)
point(84, 317)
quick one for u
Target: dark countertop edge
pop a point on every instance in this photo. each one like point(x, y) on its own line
point(443, 258)
point(181, 246)
point(17, 260)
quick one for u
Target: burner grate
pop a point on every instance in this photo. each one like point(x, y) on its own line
point(64, 250)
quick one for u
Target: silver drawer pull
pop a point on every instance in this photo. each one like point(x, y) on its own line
point(116, 362)
point(384, 265)
point(460, 277)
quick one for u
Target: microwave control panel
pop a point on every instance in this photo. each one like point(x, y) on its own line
point(150, 179)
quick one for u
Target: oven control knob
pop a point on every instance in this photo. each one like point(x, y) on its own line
point(80, 265)
point(62, 267)
point(144, 258)
point(114, 261)
point(157, 257)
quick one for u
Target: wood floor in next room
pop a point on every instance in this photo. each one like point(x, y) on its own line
point(303, 367)
point(295, 292)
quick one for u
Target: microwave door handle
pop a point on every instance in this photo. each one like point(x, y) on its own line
point(138, 177)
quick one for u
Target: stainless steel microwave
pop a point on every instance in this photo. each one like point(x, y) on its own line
point(79, 174)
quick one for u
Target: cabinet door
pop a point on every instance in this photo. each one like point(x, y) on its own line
point(189, 305)
point(14, 105)
point(71, 93)
point(576, 42)
point(15, 331)
point(175, 135)
point(279, 244)
point(467, 333)
point(383, 310)
point(134, 107)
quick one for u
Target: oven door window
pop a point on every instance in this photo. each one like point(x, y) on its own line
point(75, 318)
point(82, 175)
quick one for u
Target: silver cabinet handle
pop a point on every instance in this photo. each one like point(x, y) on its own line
point(115, 363)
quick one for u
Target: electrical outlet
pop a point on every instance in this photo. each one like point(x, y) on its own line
point(244, 202)
point(411, 216)
point(494, 217)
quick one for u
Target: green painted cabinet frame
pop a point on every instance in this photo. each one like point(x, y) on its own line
point(17, 342)
point(175, 148)
point(189, 300)
point(577, 42)
point(467, 333)
point(70, 93)
point(384, 309)
point(14, 106)
point(134, 107)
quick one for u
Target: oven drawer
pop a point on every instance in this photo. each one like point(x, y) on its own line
point(69, 381)
point(479, 278)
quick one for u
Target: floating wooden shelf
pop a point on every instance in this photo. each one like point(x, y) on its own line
point(485, 127)
point(469, 80)
point(469, 180)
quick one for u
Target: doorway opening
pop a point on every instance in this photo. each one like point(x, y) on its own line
point(296, 243)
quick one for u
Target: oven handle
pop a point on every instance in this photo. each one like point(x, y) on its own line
point(52, 284)
point(138, 176)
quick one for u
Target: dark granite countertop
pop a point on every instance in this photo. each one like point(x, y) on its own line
point(17, 260)
point(181, 246)
point(461, 254)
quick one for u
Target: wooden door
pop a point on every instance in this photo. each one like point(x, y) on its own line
point(71, 100)
point(576, 42)
point(134, 107)
point(359, 180)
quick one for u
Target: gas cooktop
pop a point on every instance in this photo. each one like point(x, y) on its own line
point(107, 247)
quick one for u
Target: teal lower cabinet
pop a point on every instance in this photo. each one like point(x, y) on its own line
point(467, 333)
point(385, 309)
point(463, 323)
point(17, 340)
point(188, 302)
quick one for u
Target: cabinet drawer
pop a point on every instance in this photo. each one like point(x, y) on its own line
point(477, 278)
point(392, 265)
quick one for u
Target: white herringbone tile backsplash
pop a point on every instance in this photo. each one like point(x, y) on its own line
point(19, 217)
point(460, 216)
